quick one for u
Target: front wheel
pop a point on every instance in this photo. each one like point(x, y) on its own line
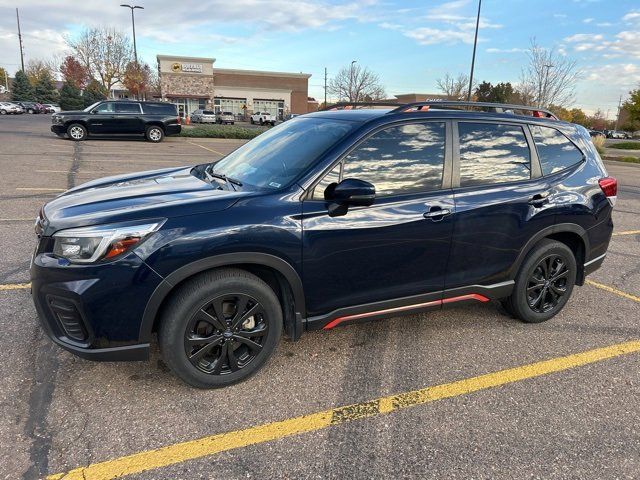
point(77, 132)
point(544, 283)
point(220, 328)
point(154, 134)
point(3, 112)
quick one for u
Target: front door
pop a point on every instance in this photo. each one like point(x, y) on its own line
point(102, 119)
point(399, 246)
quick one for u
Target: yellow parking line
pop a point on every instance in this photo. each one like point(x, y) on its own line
point(190, 450)
point(629, 232)
point(206, 148)
point(14, 286)
point(34, 189)
point(613, 290)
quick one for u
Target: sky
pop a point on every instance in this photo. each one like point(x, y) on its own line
point(410, 44)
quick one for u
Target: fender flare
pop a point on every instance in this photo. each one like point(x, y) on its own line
point(545, 232)
point(227, 259)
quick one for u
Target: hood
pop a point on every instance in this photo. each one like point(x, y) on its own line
point(169, 192)
point(71, 112)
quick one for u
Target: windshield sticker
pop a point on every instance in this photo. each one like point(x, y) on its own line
point(274, 185)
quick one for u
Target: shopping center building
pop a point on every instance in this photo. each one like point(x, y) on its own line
point(194, 83)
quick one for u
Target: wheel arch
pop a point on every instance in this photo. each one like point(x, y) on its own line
point(571, 234)
point(275, 271)
point(155, 123)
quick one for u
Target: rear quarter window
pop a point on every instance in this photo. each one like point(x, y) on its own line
point(160, 109)
point(556, 152)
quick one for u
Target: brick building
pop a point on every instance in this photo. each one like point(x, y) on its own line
point(193, 82)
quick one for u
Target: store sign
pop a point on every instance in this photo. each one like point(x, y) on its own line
point(187, 67)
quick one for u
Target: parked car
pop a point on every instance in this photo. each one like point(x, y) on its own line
point(52, 108)
point(619, 134)
point(225, 117)
point(263, 118)
point(203, 116)
point(154, 120)
point(596, 133)
point(8, 108)
point(289, 116)
point(327, 219)
point(32, 107)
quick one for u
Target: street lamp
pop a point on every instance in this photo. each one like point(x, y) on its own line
point(133, 22)
point(473, 57)
point(351, 81)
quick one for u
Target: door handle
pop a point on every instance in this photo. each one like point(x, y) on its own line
point(437, 213)
point(539, 199)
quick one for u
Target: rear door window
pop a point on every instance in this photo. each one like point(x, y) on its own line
point(556, 152)
point(160, 109)
point(493, 153)
point(127, 107)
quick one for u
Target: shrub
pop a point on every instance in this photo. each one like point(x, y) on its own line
point(598, 141)
point(221, 131)
point(626, 145)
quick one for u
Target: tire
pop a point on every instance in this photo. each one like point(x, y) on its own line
point(190, 313)
point(261, 122)
point(251, 120)
point(536, 296)
point(77, 132)
point(154, 134)
point(3, 112)
point(233, 123)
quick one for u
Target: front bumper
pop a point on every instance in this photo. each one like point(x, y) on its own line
point(58, 128)
point(94, 311)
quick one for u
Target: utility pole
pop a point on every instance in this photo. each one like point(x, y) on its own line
point(353, 62)
point(618, 116)
point(325, 86)
point(473, 57)
point(133, 23)
point(20, 41)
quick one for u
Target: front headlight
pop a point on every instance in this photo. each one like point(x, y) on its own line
point(101, 242)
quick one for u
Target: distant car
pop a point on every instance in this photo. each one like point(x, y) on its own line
point(32, 107)
point(154, 120)
point(52, 108)
point(596, 133)
point(203, 116)
point(8, 108)
point(225, 117)
point(619, 134)
point(263, 118)
point(290, 116)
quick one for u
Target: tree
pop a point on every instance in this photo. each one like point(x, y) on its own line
point(454, 88)
point(356, 84)
point(4, 78)
point(104, 52)
point(22, 90)
point(500, 93)
point(70, 98)
point(579, 117)
point(632, 106)
point(561, 112)
point(549, 78)
point(44, 90)
point(93, 93)
point(74, 72)
point(597, 120)
point(136, 78)
point(37, 69)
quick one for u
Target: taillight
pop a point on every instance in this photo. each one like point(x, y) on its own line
point(609, 187)
point(179, 120)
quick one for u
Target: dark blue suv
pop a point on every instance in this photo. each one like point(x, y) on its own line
point(328, 219)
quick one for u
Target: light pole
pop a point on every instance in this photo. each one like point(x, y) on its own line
point(353, 62)
point(133, 23)
point(473, 57)
point(542, 90)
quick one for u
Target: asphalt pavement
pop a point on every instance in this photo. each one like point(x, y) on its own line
point(560, 419)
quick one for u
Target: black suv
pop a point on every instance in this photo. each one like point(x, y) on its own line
point(327, 219)
point(154, 120)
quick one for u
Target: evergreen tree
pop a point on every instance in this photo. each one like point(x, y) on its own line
point(70, 98)
point(45, 89)
point(22, 89)
point(93, 93)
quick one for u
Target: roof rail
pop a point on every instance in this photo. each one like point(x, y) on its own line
point(354, 105)
point(497, 107)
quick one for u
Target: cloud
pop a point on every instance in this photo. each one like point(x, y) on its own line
point(623, 75)
point(559, 15)
point(632, 16)
point(588, 20)
point(506, 50)
point(434, 36)
point(623, 44)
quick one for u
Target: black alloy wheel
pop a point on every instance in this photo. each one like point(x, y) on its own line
point(547, 284)
point(226, 334)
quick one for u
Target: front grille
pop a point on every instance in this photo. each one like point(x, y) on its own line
point(68, 317)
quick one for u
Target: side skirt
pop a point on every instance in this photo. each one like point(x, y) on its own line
point(413, 304)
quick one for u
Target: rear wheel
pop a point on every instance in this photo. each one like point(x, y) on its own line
point(77, 132)
point(220, 328)
point(544, 283)
point(3, 112)
point(154, 134)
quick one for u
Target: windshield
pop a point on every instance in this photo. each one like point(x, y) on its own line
point(91, 107)
point(279, 155)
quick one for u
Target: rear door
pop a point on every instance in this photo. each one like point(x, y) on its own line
point(399, 246)
point(501, 201)
point(128, 118)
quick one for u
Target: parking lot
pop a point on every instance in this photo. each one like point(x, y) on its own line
point(558, 416)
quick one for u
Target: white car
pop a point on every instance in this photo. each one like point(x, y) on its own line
point(263, 118)
point(203, 116)
point(52, 107)
point(7, 108)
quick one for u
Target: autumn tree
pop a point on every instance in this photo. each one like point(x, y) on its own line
point(578, 116)
point(356, 84)
point(136, 78)
point(104, 52)
point(455, 88)
point(4, 78)
point(36, 69)
point(74, 72)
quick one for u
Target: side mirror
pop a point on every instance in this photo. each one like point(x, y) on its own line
point(349, 192)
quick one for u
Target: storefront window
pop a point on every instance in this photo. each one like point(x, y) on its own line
point(234, 105)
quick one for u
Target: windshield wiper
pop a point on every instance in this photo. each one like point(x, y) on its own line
point(230, 181)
